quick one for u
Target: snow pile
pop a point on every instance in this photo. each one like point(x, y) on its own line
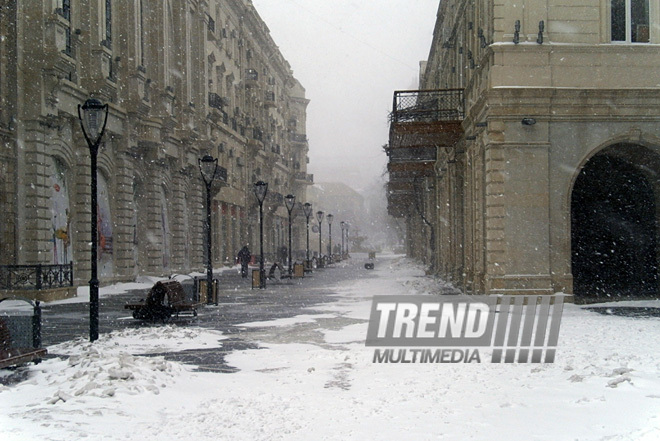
point(99, 373)
point(108, 367)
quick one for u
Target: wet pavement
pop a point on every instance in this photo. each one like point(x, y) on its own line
point(238, 303)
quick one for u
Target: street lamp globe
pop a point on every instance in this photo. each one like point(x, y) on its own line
point(329, 217)
point(319, 216)
point(93, 116)
point(208, 166)
point(290, 201)
point(260, 190)
point(307, 209)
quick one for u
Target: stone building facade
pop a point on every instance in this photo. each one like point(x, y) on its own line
point(528, 160)
point(183, 78)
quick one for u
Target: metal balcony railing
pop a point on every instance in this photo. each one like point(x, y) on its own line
point(428, 105)
point(251, 75)
point(216, 101)
point(35, 277)
point(298, 137)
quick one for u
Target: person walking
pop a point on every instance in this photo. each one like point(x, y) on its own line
point(244, 258)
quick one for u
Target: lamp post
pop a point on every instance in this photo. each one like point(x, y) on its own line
point(208, 165)
point(260, 191)
point(319, 217)
point(290, 202)
point(347, 227)
point(307, 209)
point(330, 217)
point(93, 116)
point(342, 225)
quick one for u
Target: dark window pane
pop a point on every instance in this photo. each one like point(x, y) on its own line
point(108, 21)
point(640, 21)
point(618, 20)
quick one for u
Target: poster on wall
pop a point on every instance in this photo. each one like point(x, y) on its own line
point(105, 244)
point(60, 217)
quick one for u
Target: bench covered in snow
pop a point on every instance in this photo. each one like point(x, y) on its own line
point(165, 298)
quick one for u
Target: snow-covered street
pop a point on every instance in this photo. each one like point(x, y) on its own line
point(314, 379)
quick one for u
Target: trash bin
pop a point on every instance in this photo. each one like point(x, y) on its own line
point(202, 293)
point(298, 270)
point(255, 278)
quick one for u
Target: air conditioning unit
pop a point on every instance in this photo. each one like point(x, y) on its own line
point(240, 162)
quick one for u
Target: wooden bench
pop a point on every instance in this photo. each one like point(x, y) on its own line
point(164, 299)
point(13, 356)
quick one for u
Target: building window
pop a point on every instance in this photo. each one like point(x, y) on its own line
point(141, 31)
point(66, 14)
point(630, 21)
point(107, 41)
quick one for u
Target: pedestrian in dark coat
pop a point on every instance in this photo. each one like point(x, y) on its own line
point(244, 257)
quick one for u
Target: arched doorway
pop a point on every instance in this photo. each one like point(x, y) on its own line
point(614, 235)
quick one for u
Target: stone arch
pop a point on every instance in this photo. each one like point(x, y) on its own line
point(614, 211)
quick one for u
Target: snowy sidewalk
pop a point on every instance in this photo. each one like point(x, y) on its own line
point(313, 379)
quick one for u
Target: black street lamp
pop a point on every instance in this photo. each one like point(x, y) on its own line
point(319, 217)
point(307, 209)
point(208, 166)
point(260, 191)
point(342, 225)
point(290, 202)
point(347, 227)
point(93, 116)
point(330, 217)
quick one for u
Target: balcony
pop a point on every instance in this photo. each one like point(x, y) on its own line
point(421, 122)
point(298, 137)
point(426, 117)
point(304, 178)
point(251, 78)
point(216, 101)
point(269, 99)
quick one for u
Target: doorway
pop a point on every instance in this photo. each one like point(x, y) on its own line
point(613, 226)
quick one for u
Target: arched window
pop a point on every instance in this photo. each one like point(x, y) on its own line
point(630, 21)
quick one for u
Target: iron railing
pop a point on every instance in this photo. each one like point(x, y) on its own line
point(303, 176)
point(298, 137)
point(36, 277)
point(428, 105)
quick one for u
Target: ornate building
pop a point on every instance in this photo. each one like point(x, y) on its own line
point(528, 160)
point(183, 78)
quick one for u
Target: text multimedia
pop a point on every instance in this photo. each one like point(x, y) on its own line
point(426, 356)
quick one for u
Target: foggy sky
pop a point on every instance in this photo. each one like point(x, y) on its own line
point(350, 55)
